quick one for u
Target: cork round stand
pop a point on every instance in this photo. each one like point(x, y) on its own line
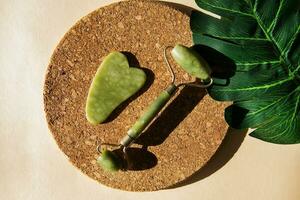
point(181, 139)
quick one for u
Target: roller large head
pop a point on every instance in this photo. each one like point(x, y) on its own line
point(191, 62)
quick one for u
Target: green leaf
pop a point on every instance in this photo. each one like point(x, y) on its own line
point(262, 38)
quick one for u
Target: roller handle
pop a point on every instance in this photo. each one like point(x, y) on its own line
point(151, 112)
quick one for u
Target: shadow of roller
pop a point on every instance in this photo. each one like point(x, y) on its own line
point(171, 116)
point(224, 68)
point(230, 145)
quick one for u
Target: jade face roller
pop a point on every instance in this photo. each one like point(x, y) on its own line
point(193, 64)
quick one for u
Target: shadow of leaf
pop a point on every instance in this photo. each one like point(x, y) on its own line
point(230, 145)
point(222, 66)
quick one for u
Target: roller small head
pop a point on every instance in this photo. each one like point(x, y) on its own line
point(110, 161)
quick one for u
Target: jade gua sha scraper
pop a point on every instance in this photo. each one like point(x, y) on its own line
point(115, 82)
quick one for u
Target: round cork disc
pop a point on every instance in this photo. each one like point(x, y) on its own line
point(184, 135)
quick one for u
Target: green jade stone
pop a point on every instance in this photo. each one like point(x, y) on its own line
point(109, 161)
point(191, 62)
point(113, 83)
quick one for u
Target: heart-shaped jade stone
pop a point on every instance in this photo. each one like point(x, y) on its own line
point(113, 83)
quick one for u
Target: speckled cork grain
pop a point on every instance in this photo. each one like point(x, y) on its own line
point(181, 139)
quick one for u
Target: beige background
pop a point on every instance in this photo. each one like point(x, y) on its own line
point(31, 165)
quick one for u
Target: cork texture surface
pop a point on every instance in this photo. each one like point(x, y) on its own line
point(181, 139)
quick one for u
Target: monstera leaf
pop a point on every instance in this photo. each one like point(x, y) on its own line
point(262, 38)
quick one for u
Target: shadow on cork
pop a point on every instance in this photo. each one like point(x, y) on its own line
point(230, 145)
point(172, 116)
